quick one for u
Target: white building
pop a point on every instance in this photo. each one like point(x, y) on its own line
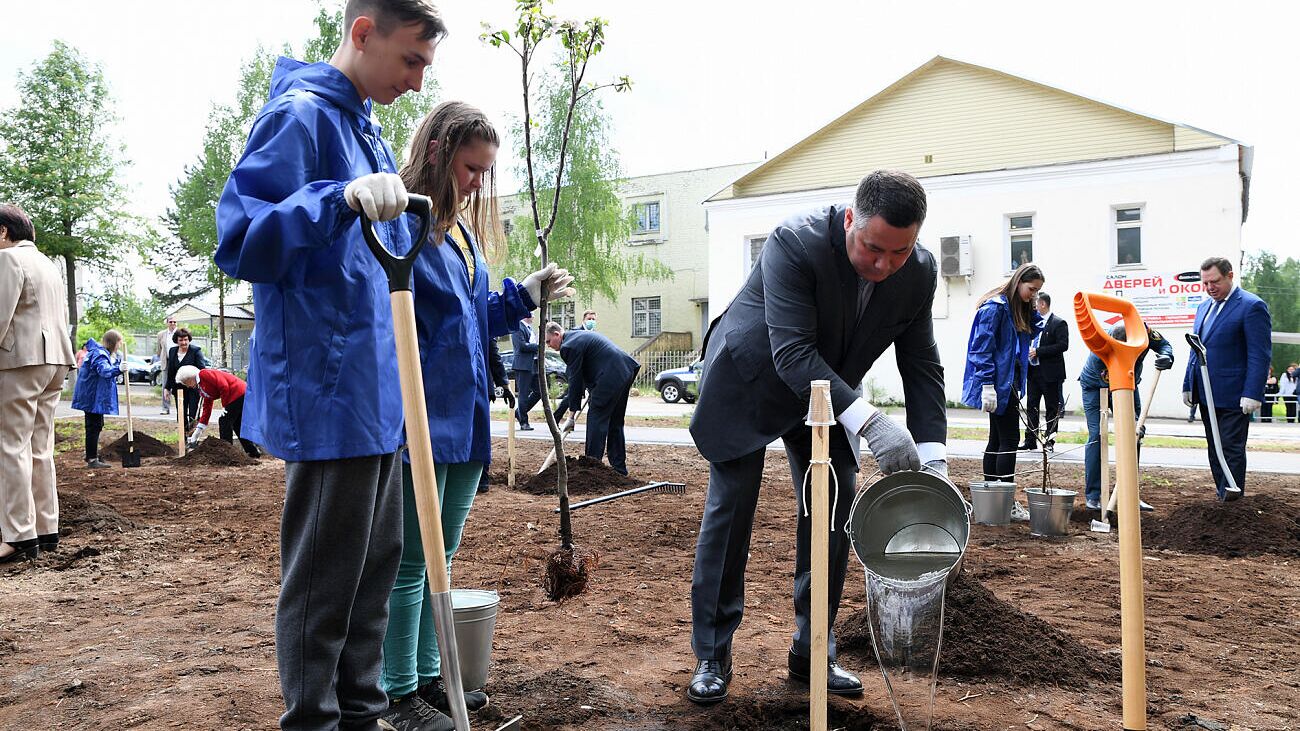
point(1103, 199)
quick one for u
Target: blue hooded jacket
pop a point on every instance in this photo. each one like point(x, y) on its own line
point(991, 354)
point(454, 321)
point(96, 390)
point(322, 378)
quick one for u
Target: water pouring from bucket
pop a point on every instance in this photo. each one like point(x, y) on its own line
point(909, 530)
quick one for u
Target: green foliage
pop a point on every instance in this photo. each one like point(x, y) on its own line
point(1278, 284)
point(58, 161)
point(121, 310)
point(592, 227)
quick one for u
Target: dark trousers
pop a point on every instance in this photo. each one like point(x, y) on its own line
point(718, 584)
point(605, 429)
point(94, 425)
point(235, 420)
point(191, 396)
point(1000, 452)
point(1049, 392)
point(340, 545)
point(526, 395)
point(1289, 402)
point(1233, 428)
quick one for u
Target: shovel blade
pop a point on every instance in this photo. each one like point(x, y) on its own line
point(131, 459)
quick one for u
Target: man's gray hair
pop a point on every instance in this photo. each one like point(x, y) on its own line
point(894, 195)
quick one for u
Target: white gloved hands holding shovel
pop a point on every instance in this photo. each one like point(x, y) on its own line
point(988, 398)
point(382, 196)
point(197, 436)
point(568, 424)
point(557, 283)
point(890, 444)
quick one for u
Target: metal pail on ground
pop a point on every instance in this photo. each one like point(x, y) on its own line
point(475, 611)
point(908, 525)
point(991, 502)
point(1049, 512)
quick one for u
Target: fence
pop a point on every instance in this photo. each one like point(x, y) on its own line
point(652, 362)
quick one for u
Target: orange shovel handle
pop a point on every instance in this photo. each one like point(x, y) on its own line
point(1120, 357)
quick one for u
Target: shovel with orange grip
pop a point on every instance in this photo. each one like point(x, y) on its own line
point(1121, 360)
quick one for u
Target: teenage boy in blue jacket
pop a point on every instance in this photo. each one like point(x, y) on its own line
point(323, 391)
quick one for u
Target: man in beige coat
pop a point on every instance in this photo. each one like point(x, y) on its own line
point(160, 356)
point(35, 354)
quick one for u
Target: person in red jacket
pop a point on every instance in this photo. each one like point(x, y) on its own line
point(213, 384)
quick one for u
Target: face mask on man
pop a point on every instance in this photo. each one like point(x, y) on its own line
point(589, 324)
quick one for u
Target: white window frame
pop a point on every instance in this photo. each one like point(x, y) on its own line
point(656, 236)
point(1008, 234)
point(658, 300)
point(746, 251)
point(568, 318)
point(1115, 227)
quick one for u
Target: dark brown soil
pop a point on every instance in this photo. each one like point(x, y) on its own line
point(145, 446)
point(1251, 526)
point(987, 638)
point(567, 572)
point(213, 452)
point(79, 514)
point(586, 477)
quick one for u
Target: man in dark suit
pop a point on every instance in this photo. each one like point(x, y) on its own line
point(832, 290)
point(524, 367)
point(1236, 328)
point(1046, 373)
point(598, 368)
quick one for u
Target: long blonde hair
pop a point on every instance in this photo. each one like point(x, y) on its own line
point(454, 124)
point(1022, 313)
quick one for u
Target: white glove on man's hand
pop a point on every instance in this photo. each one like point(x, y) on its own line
point(989, 398)
point(568, 425)
point(1187, 398)
point(557, 284)
point(382, 196)
point(890, 444)
point(1249, 405)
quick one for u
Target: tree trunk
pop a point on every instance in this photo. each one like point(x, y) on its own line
point(221, 319)
point(70, 263)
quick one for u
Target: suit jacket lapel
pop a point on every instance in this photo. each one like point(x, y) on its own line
point(1223, 311)
point(848, 278)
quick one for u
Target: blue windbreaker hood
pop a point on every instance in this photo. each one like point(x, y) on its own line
point(321, 79)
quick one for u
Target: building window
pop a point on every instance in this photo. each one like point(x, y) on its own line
point(647, 318)
point(753, 250)
point(507, 225)
point(1128, 236)
point(647, 218)
point(1020, 235)
point(562, 312)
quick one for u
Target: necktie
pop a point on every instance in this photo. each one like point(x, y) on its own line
point(1209, 319)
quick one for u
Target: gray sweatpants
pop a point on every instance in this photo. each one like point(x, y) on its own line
point(340, 545)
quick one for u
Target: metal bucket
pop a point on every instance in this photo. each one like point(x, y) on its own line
point(475, 612)
point(908, 525)
point(991, 502)
point(1049, 512)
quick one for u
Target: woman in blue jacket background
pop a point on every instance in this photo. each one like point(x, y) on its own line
point(451, 160)
point(96, 389)
point(997, 361)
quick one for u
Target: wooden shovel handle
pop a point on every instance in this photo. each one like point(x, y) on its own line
point(1120, 358)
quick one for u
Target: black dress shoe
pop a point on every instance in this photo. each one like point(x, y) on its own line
point(526, 427)
point(48, 541)
point(710, 681)
point(23, 551)
point(838, 680)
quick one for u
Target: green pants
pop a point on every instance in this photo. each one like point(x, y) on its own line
point(410, 644)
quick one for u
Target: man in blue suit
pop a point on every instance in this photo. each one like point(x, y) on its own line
point(1236, 328)
point(596, 366)
point(524, 366)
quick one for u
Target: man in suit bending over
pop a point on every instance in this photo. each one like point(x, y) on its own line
point(832, 290)
point(596, 366)
point(1046, 373)
point(1236, 328)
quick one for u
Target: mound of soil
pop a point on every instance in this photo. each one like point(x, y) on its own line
point(76, 512)
point(775, 710)
point(213, 452)
point(554, 698)
point(1253, 525)
point(986, 638)
point(145, 446)
point(586, 477)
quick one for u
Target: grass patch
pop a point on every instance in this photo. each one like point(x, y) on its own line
point(1151, 440)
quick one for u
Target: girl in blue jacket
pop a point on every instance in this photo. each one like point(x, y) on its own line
point(451, 160)
point(96, 389)
point(997, 361)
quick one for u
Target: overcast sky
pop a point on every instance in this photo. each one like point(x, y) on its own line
point(724, 82)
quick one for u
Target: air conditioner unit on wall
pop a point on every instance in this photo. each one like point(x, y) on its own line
point(954, 256)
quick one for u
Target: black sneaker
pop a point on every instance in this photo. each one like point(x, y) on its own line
point(435, 694)
point(413, 714)
point(97, 464)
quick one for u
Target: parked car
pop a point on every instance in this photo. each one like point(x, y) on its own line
point(141, 369)
point(554, 364)
point(158, 371)
point(679, 384)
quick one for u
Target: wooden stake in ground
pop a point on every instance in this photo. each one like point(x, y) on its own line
point(820, 418)
point(510, 451)
point(1103, 447)
point(1120, 359)
point(180, 421)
